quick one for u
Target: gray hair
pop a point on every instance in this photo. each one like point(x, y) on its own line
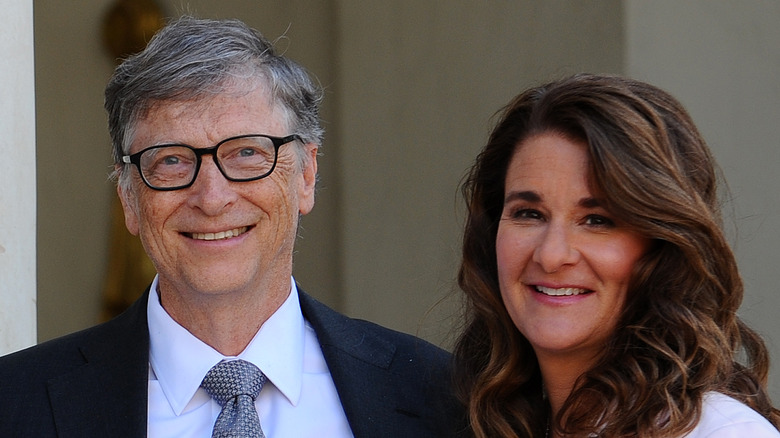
point(192, 58)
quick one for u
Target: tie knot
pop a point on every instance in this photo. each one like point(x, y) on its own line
point(230, 379)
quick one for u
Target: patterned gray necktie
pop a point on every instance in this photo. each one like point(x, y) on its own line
point(235, 385)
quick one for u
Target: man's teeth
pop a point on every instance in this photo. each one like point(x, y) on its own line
point(564, 291)
point(220, 235)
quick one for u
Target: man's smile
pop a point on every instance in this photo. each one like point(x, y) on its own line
point(218, 235)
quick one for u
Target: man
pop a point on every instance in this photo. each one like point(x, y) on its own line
point(215, 141)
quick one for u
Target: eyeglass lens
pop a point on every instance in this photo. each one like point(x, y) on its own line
point(243, 158)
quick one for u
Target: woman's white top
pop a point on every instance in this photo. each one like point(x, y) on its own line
point(725, 417)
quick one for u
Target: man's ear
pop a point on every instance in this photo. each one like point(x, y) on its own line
point(129, 207)
point(308, 179)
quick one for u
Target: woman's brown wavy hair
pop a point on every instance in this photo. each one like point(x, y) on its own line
point(678, 336)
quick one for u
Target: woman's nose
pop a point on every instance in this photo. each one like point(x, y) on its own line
point(555, 249)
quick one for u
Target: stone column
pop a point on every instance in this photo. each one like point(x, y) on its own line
point(17, 176)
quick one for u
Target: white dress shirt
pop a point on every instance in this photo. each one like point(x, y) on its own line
point(298, 400)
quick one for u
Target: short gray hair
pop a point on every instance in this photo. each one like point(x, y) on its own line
point(191, 58)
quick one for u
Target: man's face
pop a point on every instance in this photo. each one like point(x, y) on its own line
point(216, 236)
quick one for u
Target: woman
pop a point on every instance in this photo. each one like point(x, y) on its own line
point(601, 291)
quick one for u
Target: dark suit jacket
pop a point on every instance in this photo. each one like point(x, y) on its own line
point(94, 383)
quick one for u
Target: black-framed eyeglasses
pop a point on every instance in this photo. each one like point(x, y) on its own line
point(242, 158)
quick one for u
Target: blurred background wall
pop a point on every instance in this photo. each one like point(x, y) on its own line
point(411, 88)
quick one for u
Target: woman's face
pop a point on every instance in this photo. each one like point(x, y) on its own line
point(564, 262)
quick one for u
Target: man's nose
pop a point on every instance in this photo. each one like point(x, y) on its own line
point(211, 192)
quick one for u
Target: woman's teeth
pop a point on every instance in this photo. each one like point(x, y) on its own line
point(564, 291)
point(220, 235)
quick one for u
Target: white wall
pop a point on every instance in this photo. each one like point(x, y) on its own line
point(17, 177)
point(720, 58)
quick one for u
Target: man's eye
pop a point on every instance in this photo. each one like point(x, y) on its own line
point(170, 160)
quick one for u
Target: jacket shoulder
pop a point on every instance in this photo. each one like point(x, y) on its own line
point(368, 341)
point(128, 331)
point(64, 383)
point(390, 383)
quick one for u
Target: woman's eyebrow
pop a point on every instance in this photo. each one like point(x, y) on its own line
point(524, 195)
point(589, 202)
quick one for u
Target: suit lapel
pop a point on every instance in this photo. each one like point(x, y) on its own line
point(111, 399)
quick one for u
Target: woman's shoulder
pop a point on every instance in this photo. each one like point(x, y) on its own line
point(726, 417)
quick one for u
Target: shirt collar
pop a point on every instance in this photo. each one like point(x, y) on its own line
point(179, 360)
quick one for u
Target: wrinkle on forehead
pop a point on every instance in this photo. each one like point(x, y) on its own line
point(195, 104)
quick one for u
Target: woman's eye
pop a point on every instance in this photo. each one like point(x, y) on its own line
point(599, 221)
point(526, 213)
